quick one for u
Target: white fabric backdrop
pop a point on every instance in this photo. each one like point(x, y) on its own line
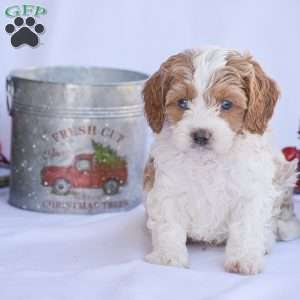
point(139, 34)
point(100, 257)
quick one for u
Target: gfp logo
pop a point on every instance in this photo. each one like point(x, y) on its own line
point(24, 30)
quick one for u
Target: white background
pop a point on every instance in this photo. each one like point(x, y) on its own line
point(141, 34)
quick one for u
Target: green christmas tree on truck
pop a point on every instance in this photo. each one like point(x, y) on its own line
point(106, 155)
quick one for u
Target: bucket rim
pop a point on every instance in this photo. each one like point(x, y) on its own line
point(17, 74)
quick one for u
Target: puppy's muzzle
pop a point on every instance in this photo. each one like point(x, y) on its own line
point(201, 137)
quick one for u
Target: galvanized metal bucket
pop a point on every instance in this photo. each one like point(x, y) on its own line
point(78, 139)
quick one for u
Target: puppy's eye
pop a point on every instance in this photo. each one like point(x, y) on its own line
point(183, 103)
point(226, 104)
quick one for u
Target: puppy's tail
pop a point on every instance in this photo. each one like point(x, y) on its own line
point(287, 225)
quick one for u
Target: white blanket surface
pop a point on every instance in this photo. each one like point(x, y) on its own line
point(45, 256)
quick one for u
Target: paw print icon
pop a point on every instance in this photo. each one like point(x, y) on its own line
point(24, 32)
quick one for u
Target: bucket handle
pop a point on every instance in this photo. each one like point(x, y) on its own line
point(10, 89)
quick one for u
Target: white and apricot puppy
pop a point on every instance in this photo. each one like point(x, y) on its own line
point(213, 175)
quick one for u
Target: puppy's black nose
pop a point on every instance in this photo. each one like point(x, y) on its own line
point(201, 136)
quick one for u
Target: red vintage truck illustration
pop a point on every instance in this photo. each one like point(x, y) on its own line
point(87, 171)
point(290, 154)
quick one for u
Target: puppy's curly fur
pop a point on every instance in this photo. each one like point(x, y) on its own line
point(213, 174)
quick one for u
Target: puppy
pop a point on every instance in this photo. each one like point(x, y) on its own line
point(213, 175)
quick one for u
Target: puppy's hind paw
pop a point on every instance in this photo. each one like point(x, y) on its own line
point(176, 260)
point(288, 230)
point(244, 266)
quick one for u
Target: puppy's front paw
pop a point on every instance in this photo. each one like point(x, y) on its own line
point(178, 259)
point(245, 266)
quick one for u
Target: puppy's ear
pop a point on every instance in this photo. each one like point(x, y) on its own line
point(154, 101)
point(263, 94)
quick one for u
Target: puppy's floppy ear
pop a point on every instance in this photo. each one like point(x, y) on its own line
point(177, 68)
point(154, 101)
point(263, 94)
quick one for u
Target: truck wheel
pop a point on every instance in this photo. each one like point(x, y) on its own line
point(61, 186)
point(111, 187)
